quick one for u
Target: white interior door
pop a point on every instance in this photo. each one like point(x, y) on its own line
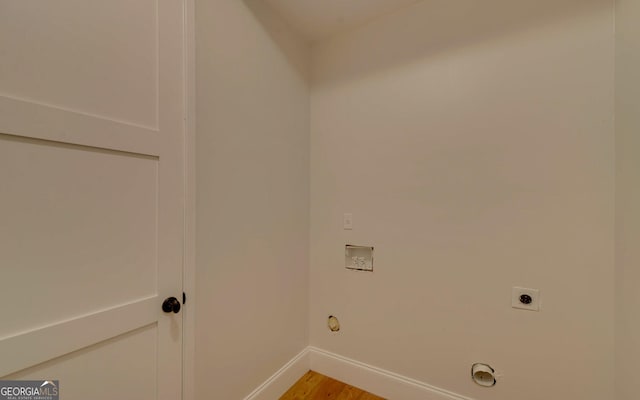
point(91, 195)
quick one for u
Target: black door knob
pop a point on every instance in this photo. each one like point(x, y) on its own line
point(171, 304)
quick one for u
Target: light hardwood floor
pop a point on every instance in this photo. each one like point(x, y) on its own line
point(314, 386)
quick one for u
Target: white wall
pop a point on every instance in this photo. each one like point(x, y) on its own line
point(252, 197)
point(473, 142)
point(627, 197)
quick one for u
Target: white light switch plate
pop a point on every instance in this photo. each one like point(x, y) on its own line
point(517, 296)
point(347, 221)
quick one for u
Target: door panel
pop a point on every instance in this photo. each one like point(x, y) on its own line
point(91, 195)
point(64, 52)
point(83, 229)
point(99, 368)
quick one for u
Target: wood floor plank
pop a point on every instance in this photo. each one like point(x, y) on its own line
point(329, 390)
point(350, 393)
point(304, 387)
point(315, 386)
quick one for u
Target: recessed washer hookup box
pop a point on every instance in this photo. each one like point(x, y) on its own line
point(358, 257)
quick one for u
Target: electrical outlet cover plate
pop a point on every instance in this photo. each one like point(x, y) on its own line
point(518, 292)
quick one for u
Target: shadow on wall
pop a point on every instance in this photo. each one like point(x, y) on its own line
point(282, 35)
point(432, 27)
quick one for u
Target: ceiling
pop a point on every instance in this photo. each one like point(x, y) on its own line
point(317, 19)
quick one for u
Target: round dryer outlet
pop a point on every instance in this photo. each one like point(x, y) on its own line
point(333, 324)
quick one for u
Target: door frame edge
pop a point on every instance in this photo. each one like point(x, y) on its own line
point(189, 252)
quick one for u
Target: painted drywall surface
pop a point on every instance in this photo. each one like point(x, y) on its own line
point(627, 197)
point(252, 197)
point(316, 20)
point(474, 144)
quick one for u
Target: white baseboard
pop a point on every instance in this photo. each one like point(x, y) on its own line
point(278, 383)
point(375, 380)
